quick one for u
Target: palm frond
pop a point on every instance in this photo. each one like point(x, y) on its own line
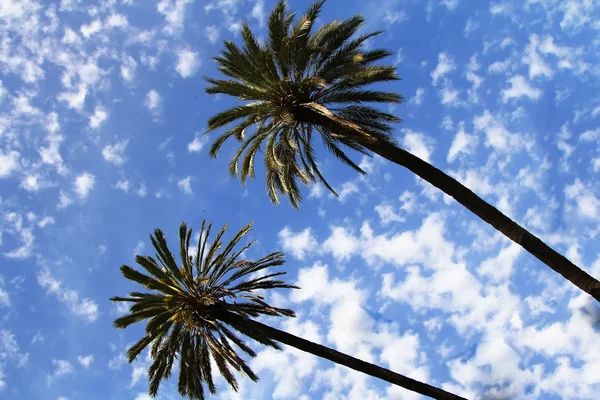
point(187, 300)
point(300, 65)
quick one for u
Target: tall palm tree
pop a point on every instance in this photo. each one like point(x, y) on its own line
point(194, 310)
point(303, 83)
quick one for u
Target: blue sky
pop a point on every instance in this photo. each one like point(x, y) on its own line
point(101, 118)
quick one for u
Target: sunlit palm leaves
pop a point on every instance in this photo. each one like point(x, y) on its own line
point(182, 310)
point(300, 83)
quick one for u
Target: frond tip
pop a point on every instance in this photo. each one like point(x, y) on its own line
point(185, 309)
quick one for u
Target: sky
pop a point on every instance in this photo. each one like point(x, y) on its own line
point(102, 114)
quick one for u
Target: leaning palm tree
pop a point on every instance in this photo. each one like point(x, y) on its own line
point(303, 83)
point(197, 308)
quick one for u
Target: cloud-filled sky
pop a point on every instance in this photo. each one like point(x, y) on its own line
point(102, 114)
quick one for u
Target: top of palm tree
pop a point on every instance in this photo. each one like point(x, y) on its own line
point(187, 299)
point(299, 82)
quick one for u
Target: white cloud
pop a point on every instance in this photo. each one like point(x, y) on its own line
point(576, 13)
point(445, 65)
point(174, 13)
point(91, 29)
point(470, 27)
point(188, 63)
point(258, 12)
point(152, 100)
point(394, 17)
point(197, 144)
point(62, 367)
point(4, 297)
point(537, 65)
point(519, 87)
point(462, 143)
point(84, 184)
point(447, 123)
point(185, 185)
point(299, 244)
point(583, 199)
point(341, 244)
point(45, 222)
point(122, 185)
point(117, 21)
point(500, 67)
point(347, 189)
point(449, 95)
point(387, 214)
point(50, 154)
point(85, 361)
point(9, 162)
point(211, 33)
point(85, 309)
point(32, 183)
point(64, 201)
point(99, 116)
point(142, 190)
point(115, 153)
point(450, 4)
point(497, 136)
point(417, 99)
point(14, 224)
point(10, 352)
point(128, 68)
point(418, 144)
point(139, 248)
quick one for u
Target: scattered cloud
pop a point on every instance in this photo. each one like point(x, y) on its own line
point(185, 185)
point(197, 144)
point(211, 33)
point(85, 308)
point(445, 66)
point(418, 144)
point(519, 87)
point(188, 62)
point(299, 244)
point(9, 162)
point(85, 361)
point(417, 99)
point(174, 14)
point(83, 185)
point(115, 153)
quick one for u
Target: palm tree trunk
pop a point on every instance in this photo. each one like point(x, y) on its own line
point(337, 357)
point(315, 113)
point(489, 214)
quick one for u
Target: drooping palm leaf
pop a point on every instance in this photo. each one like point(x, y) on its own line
point(182, 313)
point(296, 67)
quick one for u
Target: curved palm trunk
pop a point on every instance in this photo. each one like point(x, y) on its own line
point(315, 113)
point(337, 357)
point(491, 215)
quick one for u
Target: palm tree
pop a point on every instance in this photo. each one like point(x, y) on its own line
point(303, 82)
point(194, 311)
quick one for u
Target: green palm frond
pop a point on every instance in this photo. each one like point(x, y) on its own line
point(300, 65)
point(187, 299)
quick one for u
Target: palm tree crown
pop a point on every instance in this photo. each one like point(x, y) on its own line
point(183, 311)
point(301, 81)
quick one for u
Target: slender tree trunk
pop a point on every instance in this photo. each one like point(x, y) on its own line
point(491, 215)
point(315, 113)
point(337, 357)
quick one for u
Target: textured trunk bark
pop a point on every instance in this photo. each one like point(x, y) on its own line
point(337, 357)
point(491, 215)
point(315, 113)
